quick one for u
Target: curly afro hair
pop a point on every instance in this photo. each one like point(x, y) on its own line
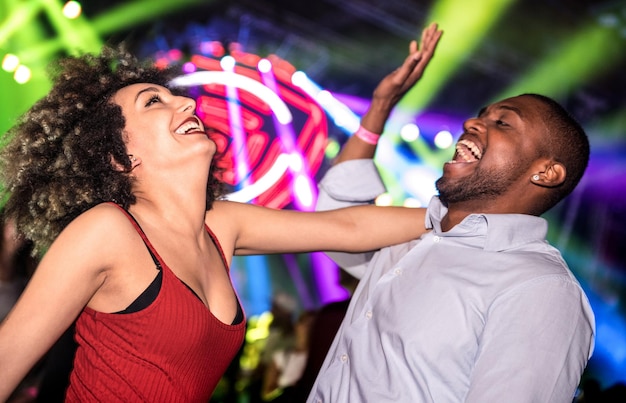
point(59, 158)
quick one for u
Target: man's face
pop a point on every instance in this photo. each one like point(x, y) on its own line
point(494, 154)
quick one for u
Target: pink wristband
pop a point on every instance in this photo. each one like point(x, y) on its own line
point(367, 136)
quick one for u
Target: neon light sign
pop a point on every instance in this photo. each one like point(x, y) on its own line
point(283, 130)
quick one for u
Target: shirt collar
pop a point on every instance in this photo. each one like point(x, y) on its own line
point(492, 232)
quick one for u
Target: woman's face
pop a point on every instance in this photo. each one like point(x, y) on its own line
point(162, 130)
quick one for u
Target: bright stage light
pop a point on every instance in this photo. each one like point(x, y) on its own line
point(10, 62)
point(22, 74)
point(444, 139)
point(410, 132)
point(228, 63)
point(264, 66)
point(189, 67)
point(302, 191)
point(332, 149)
point(299, 79)
point(411, 202)
point(384, 199)
point(341, 114)
point(72, 9)
point(296, 163)
point(419, 182)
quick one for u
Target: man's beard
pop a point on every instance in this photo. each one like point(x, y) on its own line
point(483, 184)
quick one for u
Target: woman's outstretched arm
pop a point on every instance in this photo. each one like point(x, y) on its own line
point(260, 230)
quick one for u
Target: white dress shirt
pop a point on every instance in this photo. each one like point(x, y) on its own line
point(486, 312)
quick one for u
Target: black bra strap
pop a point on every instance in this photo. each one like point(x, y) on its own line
point(154, 258)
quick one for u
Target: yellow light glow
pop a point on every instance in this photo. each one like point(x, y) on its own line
point(384, 199)
point(10, 62)
point(72, 9)
point(22, 74)
point(332, 149)
point(412, 203)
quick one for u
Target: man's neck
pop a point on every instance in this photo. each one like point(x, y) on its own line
point(456, 214)
point(449, 221)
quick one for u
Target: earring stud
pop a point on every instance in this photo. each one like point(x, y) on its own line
point(535, 177)
point(132, 158)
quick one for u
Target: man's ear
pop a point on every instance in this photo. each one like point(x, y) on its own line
point(549, 173)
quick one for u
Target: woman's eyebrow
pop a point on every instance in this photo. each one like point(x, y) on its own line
point(147, 89)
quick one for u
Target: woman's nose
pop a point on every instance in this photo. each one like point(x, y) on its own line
point(188, 104)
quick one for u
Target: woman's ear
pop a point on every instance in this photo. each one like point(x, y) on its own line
point(134, 161)
point(549, 174)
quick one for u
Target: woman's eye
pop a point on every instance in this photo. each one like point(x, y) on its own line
point(501, 123)
point(153, 99)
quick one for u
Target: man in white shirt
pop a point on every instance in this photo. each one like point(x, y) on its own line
point(481, 308)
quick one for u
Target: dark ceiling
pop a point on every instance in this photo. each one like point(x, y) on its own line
point(348, 45)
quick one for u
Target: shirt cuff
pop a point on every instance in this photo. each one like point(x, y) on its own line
point(354, 181)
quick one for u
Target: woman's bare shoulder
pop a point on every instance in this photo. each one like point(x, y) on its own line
point(105, 214)
point(101, 226)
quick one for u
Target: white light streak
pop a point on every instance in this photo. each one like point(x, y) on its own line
point(228, 78)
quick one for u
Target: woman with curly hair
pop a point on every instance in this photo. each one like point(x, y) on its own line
point(111, 176)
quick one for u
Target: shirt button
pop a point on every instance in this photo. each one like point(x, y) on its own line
point(436, 239)
point(344, 357)
point(397, 271)
point(368, 314)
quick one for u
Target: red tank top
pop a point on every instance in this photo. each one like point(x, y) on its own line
point(174, 350)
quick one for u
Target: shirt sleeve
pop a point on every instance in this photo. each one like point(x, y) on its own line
point(350, 183)
point(535, 345)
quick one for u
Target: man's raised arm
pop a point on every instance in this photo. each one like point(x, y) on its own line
point(354, 178)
